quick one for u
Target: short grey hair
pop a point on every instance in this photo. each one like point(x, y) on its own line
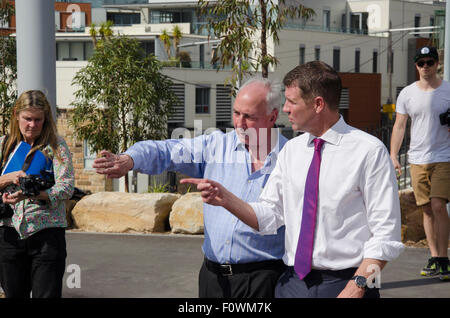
point(273, 97)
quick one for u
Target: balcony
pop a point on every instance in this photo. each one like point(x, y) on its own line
point(192, 65)
point(319, 28)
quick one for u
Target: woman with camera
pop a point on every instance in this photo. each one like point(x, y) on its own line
point(32, 239)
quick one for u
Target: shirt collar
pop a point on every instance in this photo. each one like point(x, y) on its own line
point(334, 134)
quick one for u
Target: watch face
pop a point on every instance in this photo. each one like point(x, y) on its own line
point(360, 281)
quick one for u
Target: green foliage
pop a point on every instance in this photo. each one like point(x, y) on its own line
point(185, 58)
point(239, 22)
point(122, 97)
point(177, 35)
point(8, 70)
point(165, 38)
point(158, 188)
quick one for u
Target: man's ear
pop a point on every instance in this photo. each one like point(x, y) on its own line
point(319, 104)
point(274, 115)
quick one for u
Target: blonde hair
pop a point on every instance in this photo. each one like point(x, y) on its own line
point(32, 100)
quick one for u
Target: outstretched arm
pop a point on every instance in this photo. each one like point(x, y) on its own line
point(214, 193)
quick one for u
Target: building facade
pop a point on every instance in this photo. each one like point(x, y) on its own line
point(350, 35)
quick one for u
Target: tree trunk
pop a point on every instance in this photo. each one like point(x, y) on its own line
point(264, 64)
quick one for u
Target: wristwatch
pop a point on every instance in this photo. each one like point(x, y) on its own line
point(360, 281)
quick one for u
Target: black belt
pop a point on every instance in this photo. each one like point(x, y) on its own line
point(231, 269)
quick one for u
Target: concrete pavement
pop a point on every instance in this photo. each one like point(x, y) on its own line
point(166, 266)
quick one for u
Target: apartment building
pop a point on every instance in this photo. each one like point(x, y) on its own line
point(350, 35)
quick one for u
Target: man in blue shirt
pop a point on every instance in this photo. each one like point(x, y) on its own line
point(238, 261)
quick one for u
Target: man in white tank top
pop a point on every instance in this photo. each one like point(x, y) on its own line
point(429, 153)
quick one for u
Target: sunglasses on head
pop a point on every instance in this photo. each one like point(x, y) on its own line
point(422, 63)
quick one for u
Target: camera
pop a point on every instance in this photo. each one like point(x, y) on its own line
point(444, 118)
point(31, 185)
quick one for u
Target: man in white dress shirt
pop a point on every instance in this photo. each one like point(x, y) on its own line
point(356, 205)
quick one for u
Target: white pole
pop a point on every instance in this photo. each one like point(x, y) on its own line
point(36, 48)
point(447, 42)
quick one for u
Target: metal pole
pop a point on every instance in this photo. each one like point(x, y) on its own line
point(36, 48)
point(389, 64)
point(447, 42)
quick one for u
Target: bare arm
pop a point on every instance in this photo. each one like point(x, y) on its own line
point(398, 132)
point(215, 194)
point(369, 268)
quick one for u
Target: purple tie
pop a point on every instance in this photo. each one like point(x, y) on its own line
point(303, 256)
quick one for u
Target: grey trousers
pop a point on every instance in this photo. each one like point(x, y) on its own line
point(317, 284)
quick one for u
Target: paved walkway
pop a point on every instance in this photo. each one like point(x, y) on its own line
point(166, 266)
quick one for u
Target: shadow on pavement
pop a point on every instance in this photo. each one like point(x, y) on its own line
point(413, 282)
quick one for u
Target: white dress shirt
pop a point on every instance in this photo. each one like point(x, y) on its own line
point(358, 213)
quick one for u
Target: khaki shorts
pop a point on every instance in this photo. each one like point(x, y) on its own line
point(430, 180)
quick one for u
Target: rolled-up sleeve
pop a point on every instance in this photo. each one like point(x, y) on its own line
point(183, 155)
point(380, 190)
point(64, 176)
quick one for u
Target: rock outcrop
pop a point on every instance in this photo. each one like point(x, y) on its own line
point(123, 212)
point(412, 217)
point(186, 216)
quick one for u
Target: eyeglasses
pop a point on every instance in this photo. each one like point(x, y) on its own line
point(422, 63)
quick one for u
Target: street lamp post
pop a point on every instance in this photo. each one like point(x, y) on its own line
point(36, 48)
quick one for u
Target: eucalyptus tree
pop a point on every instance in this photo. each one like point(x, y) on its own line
point(8, 68)
point(243, 26)
point(121, 96)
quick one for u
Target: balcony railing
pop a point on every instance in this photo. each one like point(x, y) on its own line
point(299, 26)
point(192, 65)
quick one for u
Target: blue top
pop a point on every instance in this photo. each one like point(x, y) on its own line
point(223, 158)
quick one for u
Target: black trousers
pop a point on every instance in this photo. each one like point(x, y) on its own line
point(254, 283)
point(35, 264)
point(317, 284)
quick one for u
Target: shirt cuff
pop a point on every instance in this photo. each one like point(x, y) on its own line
point(383, 250)
point(52, 198)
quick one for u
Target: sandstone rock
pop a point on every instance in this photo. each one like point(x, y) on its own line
point(412, 217)
point(187, 214)
point(123, 212)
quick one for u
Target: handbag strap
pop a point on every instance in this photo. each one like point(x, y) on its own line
point(27, 162)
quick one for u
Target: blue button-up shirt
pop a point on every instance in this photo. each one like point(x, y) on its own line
point(223, 158)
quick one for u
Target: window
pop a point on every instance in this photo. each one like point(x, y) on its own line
point(358, 22)
point(417, 24)
point(202, 100)
point(337, 59)
point(432, 24)
point(326, 20)
point(344, 23)
point(124, 18)
point(74, 51)
point(148, 47)
point(301, 59)
point(317, 53)
point(357, 60)
point(88, 155)
point(375, 61)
